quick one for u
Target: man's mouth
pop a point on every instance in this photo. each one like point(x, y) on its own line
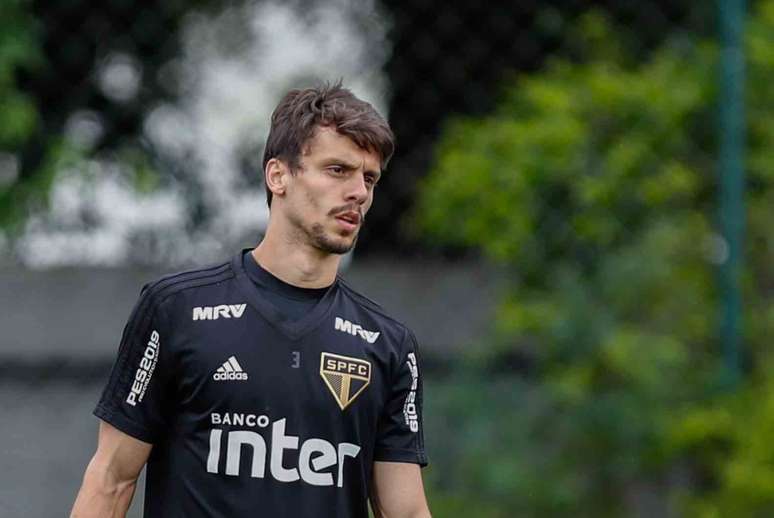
point(349, 220)
point(350, 217)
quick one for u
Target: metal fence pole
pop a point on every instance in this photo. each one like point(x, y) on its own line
point(732, 219)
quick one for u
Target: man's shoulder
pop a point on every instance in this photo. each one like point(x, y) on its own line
point(373, 309)
point(167, 286)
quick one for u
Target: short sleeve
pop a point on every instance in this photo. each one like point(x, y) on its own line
point(400, 436)
point(134, 399)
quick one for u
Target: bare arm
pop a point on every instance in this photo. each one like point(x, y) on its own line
point(111, 476)
point(398, 491)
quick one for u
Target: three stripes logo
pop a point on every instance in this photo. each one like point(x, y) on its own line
point(346, 377)
point(230, 371)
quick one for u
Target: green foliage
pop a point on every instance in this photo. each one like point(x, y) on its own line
point(15, 200)
point(19, 117)
point(594, 184)
point(19, 49)
point(730, 439)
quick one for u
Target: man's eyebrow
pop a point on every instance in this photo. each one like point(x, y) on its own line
point(349, 165)
point(339, 161)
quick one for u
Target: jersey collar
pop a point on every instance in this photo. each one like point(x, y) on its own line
point(293, 329)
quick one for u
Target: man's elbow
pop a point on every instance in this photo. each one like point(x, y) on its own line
point(107, 479)
point(104, 492)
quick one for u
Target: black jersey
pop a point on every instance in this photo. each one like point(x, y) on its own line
point(251, 414)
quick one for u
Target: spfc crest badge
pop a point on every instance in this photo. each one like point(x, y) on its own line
point(346, 377)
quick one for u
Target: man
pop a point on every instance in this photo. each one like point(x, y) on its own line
point(265, 386)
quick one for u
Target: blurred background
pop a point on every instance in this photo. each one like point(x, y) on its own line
point(577, 224)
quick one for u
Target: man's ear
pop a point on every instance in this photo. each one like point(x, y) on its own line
point(276, 176)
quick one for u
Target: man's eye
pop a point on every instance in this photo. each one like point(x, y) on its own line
point(370, 179)
point(336, 169)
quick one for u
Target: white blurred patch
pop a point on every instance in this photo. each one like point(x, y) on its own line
point(94, 213)
point(84, 128)
point(170, 129)
point(119, 76)
point(9, 168)
point(716, 249)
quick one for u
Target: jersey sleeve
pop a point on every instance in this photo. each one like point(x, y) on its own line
point(400, 436)
point(134, 399)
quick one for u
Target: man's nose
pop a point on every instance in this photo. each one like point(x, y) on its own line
point(357, 190)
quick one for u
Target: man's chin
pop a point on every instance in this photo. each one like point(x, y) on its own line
point(332, 242)
point(338, 245)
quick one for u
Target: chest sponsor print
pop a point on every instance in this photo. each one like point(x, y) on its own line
point(344, 376)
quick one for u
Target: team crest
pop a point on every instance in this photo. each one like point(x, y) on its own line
point(346, 377)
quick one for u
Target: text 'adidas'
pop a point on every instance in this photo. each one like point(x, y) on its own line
point(230, 371)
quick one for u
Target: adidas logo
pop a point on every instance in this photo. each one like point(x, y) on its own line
point(354, 329)
point(230, 371)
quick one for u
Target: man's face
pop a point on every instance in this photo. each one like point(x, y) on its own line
point(327, 199)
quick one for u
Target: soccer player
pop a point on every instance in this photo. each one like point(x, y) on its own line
point(266, 386)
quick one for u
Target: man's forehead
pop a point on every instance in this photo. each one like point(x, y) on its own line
point(327, 143)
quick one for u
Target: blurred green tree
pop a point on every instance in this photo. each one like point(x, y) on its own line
point(19, 50)
point(49, 53)
point(593, 183)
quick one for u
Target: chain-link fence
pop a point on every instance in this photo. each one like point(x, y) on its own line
point(103, 70)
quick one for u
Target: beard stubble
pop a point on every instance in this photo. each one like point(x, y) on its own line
point(319, 240)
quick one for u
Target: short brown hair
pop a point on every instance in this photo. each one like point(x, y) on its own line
point(301, 112)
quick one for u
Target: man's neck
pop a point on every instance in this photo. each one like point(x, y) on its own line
point(296, 264)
